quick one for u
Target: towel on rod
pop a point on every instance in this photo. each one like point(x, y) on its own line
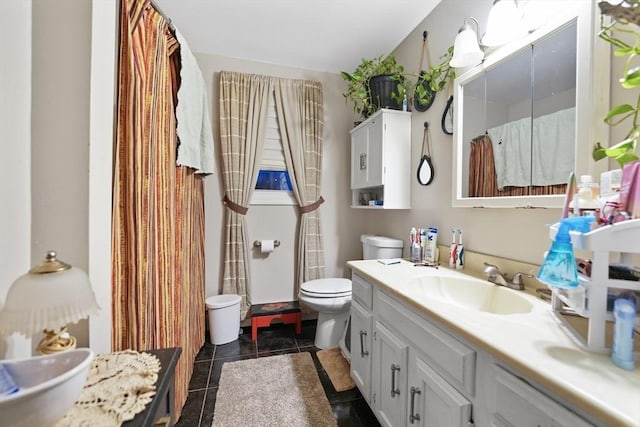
point(192, 114)
point(512, 153)
point(554, 137)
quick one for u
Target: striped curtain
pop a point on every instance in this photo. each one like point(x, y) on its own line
point(244, 101)
point(300, 111)
point(158, 208)
point(482, 175)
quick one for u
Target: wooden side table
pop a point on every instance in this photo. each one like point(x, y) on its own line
point(159, 412)
point(263, 314)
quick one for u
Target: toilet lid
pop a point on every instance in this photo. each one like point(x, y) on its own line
point(333, 287)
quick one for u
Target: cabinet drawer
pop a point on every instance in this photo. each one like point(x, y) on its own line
point(361, 291)
point(518, 403)
point(449, 357)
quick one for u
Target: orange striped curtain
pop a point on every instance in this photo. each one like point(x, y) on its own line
point(158, 207)
point(482, 175)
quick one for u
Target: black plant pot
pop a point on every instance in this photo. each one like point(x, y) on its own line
point(380, 88)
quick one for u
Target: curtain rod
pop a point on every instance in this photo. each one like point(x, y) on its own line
point(164, 15)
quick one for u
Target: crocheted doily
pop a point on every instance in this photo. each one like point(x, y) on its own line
point(119, 385)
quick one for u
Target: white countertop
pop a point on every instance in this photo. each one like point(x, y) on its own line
point(532, 342)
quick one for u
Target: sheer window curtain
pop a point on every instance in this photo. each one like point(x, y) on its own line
point(300, 113)
point(243, 114)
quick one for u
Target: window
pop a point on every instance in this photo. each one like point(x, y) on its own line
point(274, 185)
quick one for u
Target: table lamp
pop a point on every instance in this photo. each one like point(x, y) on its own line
point(47, 298)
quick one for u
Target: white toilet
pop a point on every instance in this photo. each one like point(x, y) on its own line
point(331, 298)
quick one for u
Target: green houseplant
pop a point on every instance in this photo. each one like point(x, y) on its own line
point(403, 85)
point(623, 27)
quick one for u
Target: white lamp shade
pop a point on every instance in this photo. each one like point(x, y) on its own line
point(504, 24)
point(47, 301)
point(466, 51)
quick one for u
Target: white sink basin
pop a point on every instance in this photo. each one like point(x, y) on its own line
point(470, 293)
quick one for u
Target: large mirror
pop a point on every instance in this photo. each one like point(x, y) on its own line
point(520, 116)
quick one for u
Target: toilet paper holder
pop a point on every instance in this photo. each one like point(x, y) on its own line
point(258, 243)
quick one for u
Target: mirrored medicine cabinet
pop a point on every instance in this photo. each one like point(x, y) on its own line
point(529, 115)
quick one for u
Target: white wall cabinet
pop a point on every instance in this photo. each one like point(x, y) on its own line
point(381, 161)
point(416, 373)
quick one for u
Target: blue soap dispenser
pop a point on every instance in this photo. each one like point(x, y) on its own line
point(559, 266)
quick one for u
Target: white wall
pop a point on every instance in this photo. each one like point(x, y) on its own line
point(342, 226)
point(15, 144)
point(60, 134)
point(519, 234)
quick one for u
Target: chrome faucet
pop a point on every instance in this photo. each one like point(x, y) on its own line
point(494, 275)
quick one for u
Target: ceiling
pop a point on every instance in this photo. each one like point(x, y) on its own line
point(321, 35)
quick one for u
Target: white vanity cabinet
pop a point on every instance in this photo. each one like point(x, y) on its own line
point(361, 335)
point(414, 372)
point(411, 372)
point(381, 161)
point(390, 369)
point(519, 404)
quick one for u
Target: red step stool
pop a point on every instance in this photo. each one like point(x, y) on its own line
point(263, 314)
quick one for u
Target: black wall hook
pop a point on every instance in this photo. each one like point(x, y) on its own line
point(426, 125)
point(424, 35)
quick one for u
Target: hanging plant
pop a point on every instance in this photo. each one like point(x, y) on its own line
point(424, 87)
point(626, 19)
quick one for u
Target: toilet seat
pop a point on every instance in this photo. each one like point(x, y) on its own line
point(326, 288)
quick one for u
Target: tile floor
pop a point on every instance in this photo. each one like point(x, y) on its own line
point(349, 407)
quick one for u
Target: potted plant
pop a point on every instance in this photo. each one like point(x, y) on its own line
point(382, 82)
point(386, 73)
point(626, 18)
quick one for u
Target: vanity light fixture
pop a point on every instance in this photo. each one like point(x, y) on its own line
point(466, 50)
point(504, 23)
point(49, 296)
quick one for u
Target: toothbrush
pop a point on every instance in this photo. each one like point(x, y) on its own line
point(460, 250)
point(453, 252)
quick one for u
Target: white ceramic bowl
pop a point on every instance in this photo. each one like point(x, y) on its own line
point(49, 386)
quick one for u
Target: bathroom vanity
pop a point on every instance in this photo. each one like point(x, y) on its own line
point(435, 347)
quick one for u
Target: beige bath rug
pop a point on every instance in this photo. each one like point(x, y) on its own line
point(272, 391)
point(337, 368)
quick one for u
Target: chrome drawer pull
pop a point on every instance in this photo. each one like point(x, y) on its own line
point(413, 417)
point(363, 353)
point(394, 391)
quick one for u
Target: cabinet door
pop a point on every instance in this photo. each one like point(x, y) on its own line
point(361, 348)
point(359, 157)
point(432, 401)
point(366, 155)
point(390, 377)
point(519, 404)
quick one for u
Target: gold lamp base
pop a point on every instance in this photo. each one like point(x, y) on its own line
point(55, 342)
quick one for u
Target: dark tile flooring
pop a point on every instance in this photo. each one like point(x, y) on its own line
point(349, 407)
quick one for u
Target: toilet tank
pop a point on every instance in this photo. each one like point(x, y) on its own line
point(380, 247)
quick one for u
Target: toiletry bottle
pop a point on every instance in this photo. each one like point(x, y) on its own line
point(453, 250)
point(460, 254)
point(585, 201)
point(430, 247)
point(404, 103)
point(414, 246)
point(559, 266)
point(624, 313)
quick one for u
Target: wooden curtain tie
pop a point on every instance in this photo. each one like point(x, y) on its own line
point(234, 206)
point(312, 207)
